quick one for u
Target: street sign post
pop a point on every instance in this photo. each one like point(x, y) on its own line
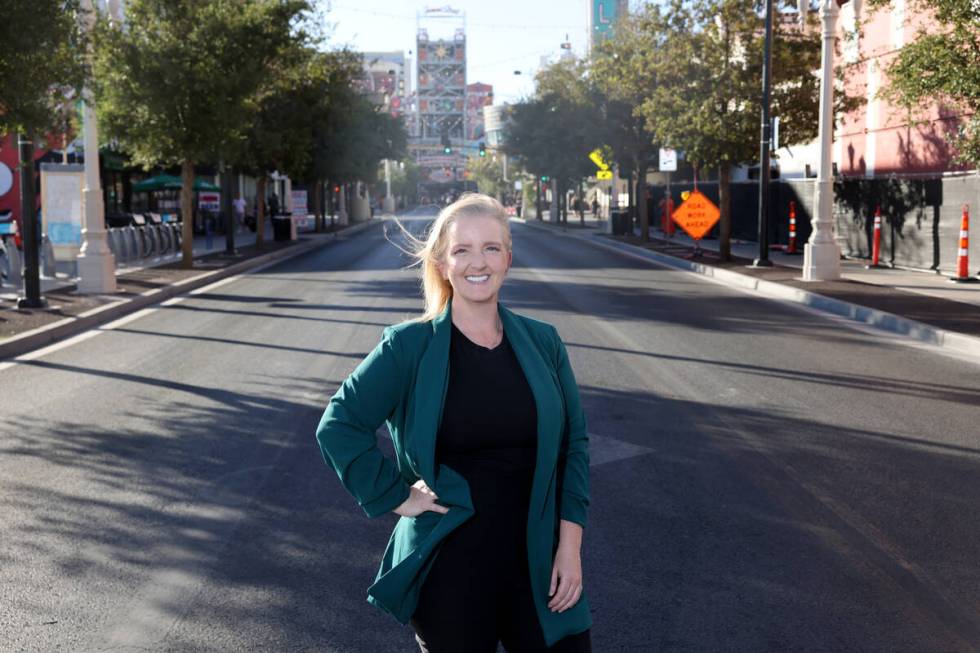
point(668, 164)
point(696, 216)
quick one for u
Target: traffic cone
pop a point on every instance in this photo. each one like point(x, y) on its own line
point(963, 256)
point(876, 241)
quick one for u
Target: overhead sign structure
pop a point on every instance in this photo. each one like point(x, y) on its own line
point(696, 215)
point(668, 160)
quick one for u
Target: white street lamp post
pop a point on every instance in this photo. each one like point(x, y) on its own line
point(821, 255)
point(96, 264)
point(388, 205)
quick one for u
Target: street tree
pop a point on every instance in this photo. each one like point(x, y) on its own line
point(554, 131)
point(706, 57)
point(362, 136)
point(942, 65)
point(405, 177)
point(622, 80)
point(177, 85)
point(286, 111)
point(488, 173)
point(42, 66)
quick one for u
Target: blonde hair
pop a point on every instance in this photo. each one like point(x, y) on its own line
point(431, 250)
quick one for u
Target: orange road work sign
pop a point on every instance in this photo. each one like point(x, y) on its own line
point(696, 215)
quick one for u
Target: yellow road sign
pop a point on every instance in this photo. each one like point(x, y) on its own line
point(603, 174)
point(596, 157)
point(697, 215)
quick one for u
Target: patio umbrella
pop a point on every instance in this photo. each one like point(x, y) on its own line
point(169, 182)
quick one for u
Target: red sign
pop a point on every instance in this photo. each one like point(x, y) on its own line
point(696, 215)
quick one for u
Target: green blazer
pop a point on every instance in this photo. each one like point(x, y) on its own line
point(402, 383)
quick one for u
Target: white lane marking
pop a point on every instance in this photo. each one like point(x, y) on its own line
point(604, 449)
point(126, 319)
point(897, 339)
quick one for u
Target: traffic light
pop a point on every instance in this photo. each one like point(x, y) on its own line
point(447, 148)
point(545, 178)
point(483, 149)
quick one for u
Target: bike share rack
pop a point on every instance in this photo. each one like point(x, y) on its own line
point(148, 240)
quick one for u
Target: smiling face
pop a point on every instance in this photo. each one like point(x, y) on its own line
point(476, 259)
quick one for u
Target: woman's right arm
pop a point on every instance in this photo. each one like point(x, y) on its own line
point(346, 433)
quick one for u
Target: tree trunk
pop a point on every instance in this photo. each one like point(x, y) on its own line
point(631, 200)
point(187, 214)
point(318, 205)
point(260, 211)
point(581, 203)
point(537, 200)
point(725, 222)
point(641, 200)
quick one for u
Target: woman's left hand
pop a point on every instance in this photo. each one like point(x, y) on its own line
point(566, 578)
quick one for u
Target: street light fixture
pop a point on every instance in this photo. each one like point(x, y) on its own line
point(96, 263)
point(821, 255)
point(764, 147)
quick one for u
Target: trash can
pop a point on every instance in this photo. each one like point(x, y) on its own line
point(281, 227)
point(620, 221)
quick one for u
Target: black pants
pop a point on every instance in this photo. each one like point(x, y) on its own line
point(469, 608)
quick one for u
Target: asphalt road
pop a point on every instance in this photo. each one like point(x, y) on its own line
point(763, 479)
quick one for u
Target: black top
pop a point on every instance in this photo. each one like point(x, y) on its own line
point(489, 428)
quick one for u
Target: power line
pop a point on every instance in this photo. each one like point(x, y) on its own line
point(412, 17)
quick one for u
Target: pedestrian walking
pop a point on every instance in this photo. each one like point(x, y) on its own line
point(595, 207)
point(238, 204)
point(491, 473)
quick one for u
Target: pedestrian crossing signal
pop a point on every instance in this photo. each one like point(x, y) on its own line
point(483, 149)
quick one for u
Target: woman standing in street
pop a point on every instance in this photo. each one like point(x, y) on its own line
point(491, 477)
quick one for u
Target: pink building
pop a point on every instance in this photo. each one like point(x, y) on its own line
point(477, 96)
point(879, 139)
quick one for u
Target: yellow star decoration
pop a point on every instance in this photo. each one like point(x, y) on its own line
point(441, 52)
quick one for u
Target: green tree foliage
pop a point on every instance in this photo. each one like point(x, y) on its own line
point(623, 79)
point(292, 105)
point(405, 179)
point(178, 84)
point(488, 173)
point(706, 58)
point(42, 46)
point(554, 131)
point(942, 64)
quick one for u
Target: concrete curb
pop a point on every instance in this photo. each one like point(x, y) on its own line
point(950, 341)
point(49, 333)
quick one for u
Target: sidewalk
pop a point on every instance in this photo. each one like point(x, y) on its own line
point(69, 313)
point(64, 275)
point(922, 305)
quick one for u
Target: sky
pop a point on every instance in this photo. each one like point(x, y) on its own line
point(502, 35)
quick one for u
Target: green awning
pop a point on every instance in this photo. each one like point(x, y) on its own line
point(170, 182)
